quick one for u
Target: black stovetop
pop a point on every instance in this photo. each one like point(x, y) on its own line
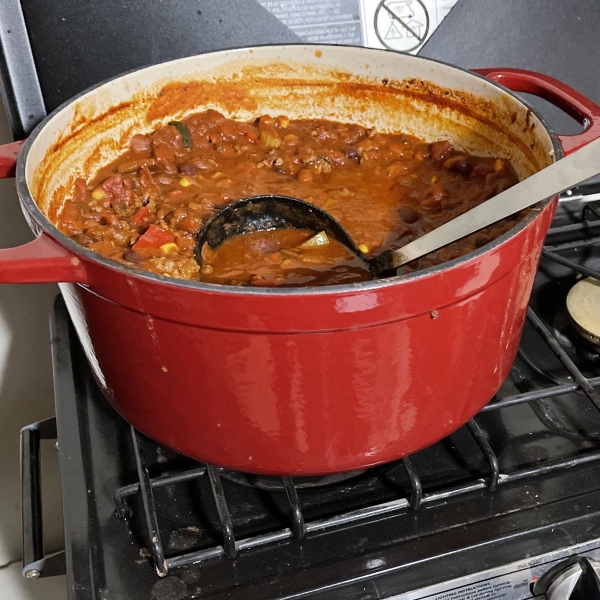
point(520, 479)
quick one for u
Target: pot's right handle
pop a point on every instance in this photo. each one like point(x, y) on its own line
point(40, 261)
point(561, 95)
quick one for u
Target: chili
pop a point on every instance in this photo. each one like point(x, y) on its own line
point(147, 207)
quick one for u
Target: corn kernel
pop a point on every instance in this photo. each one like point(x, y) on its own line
point(363, 248)
point(98, 194)
point(282, 121)
point(185, 182)
point(498, 164)
point(434, 179)
point(169, 247)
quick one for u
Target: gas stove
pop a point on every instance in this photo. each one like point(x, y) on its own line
point(483, 514)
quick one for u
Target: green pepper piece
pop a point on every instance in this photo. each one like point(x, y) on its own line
point(184, 130)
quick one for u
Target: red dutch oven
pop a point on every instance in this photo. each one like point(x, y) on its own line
point(296, 381)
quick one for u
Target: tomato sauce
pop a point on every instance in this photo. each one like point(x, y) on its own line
point(147, 208)
point(282, 258)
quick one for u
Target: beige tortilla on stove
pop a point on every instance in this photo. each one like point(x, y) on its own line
point(583, 304)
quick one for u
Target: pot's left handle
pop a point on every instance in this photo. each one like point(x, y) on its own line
point(8, 158)
point(40, 261)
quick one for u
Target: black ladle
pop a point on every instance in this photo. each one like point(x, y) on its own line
point(263, 213)
point(269, 212)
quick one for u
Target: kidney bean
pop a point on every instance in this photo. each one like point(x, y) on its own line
point(483, 169)
point(188, 168)
point(441, 149)
point(458, 164)
point(351, 153)
point(140, 143)
point(164, 179)
point(84, 239)
point(133, 257)
point(433, 200)
point(203, 163)
point(408, 215)
point(352, 134)
point(338, 158)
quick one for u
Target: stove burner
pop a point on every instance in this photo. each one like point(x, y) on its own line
point(583, 306)
point(275, 484)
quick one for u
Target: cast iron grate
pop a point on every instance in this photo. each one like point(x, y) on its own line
point(583, 231)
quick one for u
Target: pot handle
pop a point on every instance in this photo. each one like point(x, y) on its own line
point(40, 261)
point(561, 95)
point(8, 158)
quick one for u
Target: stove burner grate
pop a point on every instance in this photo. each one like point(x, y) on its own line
point(586, 225)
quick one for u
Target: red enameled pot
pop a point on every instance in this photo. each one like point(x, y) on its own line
point(301, 381)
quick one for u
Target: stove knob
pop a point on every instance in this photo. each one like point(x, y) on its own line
point(577, 578)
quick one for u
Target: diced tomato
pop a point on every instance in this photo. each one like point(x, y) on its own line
point(80, 191)
point(140, 216)
point(249, 131)
point(164, 152)
point(114, 187)
point(154, 237)
point(70, 212)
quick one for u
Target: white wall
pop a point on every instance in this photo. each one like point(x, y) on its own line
point(26, 393)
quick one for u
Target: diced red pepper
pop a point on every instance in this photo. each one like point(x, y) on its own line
point(154, 237)
point(140, 216)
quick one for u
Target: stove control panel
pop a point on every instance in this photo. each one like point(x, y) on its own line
point(571, 573)
point(576, 578)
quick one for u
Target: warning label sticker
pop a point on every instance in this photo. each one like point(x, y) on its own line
point(400, 25)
